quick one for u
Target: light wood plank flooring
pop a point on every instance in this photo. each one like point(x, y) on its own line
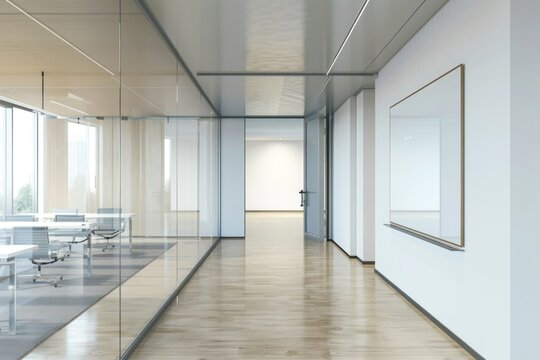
point(276, 296)
point(95, 333)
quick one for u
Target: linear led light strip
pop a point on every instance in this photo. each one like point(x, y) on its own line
point(60, 37)
point(347, 37)
point(68, 107)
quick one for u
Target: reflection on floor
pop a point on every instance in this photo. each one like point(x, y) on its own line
point(95, 333)
point(276, 295)
point(43, 309)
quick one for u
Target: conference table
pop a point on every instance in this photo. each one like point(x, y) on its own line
point(63, 229)
point(8, 253)
point(128, 217)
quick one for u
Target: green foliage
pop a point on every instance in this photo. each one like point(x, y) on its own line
point(23, 202)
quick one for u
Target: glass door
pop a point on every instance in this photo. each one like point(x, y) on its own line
point(312, 196)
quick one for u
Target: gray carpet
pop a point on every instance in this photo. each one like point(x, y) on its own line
point(43, 309)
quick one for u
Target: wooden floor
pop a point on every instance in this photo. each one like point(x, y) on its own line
point(276, 296)
point(126, 310)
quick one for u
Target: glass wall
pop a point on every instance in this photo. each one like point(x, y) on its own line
point(109, 177)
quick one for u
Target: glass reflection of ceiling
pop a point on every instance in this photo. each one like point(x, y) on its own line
point(68, 38)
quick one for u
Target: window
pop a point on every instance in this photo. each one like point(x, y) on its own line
point(18, 160)
point(24, 161)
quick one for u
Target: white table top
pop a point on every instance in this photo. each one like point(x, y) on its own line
point(9, 251)
point(50, 224)
point(86, 215)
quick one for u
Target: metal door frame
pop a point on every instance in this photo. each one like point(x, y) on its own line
point(323, 174)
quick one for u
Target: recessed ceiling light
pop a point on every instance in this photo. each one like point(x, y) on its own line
point(348, 36)
point(75, 97)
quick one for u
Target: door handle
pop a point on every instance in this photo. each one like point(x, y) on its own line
point(302, 198)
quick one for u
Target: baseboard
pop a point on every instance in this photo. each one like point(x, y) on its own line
point(233, 238)
point(364, 262)
point(434, 320)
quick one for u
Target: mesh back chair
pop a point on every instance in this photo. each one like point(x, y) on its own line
point(43, 254)
point(77, 235)
point(26, 218)
point(108, 227)
point(70, 211)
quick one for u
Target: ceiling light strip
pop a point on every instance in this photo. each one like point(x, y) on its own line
point(60, 37)
point(321, 90)
point(348, 36)
point(68, 107)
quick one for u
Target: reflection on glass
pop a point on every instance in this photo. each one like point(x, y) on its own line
point(125, 189)
point(425, 158)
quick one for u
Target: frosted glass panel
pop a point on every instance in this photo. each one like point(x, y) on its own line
point(426, 160)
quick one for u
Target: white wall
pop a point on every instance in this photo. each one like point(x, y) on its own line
point(365, 175)
point(232, 177)
point(353, 158)
point(274, 174)
point(344, 176)
point(525, 180)
point(467, 291)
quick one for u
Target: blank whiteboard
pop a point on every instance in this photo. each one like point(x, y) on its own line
point(426, 160)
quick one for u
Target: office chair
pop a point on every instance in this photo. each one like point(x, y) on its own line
point(21, 218)
point(109, 227)
point(42, 255)
point(77, 236)
point(70, 211)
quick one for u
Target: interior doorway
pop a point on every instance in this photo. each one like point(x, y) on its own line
point(274, 165)
point(274, 168)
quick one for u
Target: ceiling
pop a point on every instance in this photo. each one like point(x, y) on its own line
point(77, 85)
point(239, 50)
point(229, 57)
point(275, 129)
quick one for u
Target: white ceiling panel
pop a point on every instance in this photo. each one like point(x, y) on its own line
point(217, 37)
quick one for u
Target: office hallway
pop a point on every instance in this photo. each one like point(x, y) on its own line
point(276, 295)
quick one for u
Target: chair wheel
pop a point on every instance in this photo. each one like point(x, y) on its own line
point(33, 280)
point(103, 249)
point(61, 278)
point(55, 285)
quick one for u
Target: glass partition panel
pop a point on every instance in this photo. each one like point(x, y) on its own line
point(59, 146)
point(208, 182)
point(149, 172)
point(108, 176)
point(188, 196)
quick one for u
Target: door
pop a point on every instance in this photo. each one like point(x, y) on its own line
point(312, 196)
